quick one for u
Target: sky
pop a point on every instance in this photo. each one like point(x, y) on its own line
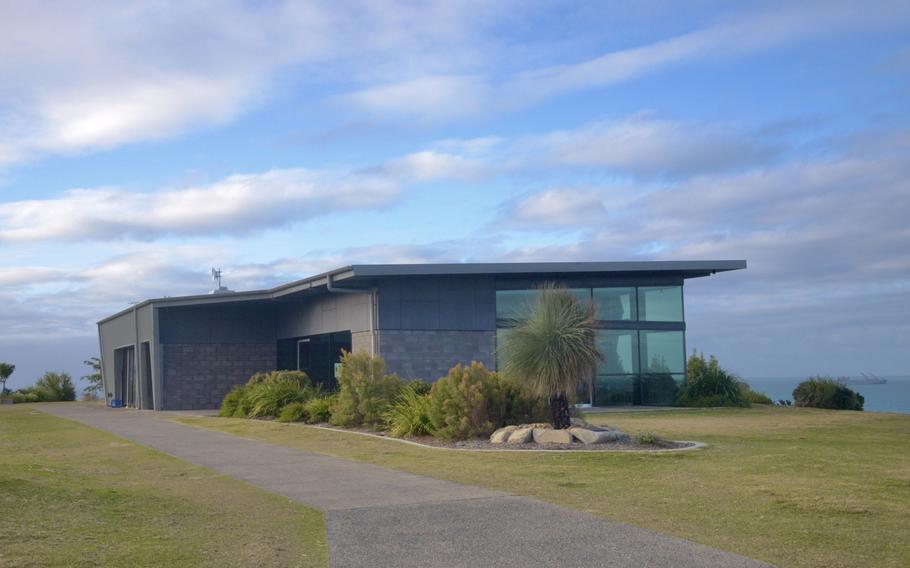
point(142, 144)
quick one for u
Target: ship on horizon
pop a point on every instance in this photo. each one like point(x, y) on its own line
point(865, 379)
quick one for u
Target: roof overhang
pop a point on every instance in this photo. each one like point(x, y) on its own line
point(362, 275)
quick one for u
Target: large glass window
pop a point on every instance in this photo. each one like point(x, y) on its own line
point(501, 335)
point(614, 304)
point(518, 304)
point(614, 390)
point(515, 304)
point(619, 349)
point(660, 303)
point(662, 352)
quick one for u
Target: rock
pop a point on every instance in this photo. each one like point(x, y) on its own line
point(501, 435)
point(538, 426)
point(544, 436)
point(588, 436)
point(521, 436)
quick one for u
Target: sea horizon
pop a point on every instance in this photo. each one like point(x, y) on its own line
point(893, 396)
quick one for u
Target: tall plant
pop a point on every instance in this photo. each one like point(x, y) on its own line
point(95, 385)
point(6, 370)
point(554, 351)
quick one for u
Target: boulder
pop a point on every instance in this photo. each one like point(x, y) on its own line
point(500, 436)
point(544, 436)
point(521, 436)
point(588, 436)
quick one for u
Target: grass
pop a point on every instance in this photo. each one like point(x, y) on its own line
point(74, 496)
point(792, 486)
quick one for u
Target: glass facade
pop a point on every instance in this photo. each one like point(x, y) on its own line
point(640, 365)
point(616, 304)
point(660, 303)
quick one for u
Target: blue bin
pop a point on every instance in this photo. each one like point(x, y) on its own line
point(116, 403)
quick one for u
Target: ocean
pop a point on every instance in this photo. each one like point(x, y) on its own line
point(893, 396)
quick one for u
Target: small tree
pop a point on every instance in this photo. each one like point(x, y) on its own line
point(5, 371)
point(95, 385)
point(553, 351)
point(55, 386)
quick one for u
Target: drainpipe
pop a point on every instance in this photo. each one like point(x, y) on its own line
point(330, 286)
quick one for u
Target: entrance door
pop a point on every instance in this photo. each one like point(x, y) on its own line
point(317, 356)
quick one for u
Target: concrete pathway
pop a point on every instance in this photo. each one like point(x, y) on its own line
point(378, 517)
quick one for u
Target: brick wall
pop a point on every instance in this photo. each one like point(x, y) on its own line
point(429, 354)
point(197, 376)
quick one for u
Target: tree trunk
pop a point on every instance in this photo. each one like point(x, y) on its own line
point(559, 411)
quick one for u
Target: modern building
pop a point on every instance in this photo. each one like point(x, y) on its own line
point(187, 352)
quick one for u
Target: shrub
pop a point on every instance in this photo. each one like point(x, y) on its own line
point(318, 409)
point(293, 412)
point(365, 392)
point(825, 392)
point(409, 415)
point(274, 377)
point(232, 401)
point(420, 387)
point(755, 397)
point(468, 402)
point(708, 384)
point(24, 395)
point(55, 386)
point(524, 408)
point(267, 399)
point(648, 438)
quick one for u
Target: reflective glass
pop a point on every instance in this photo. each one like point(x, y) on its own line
point(515, 304)
point(660, 389)
point(613, 390)
point(501, 335)
point(660, 303)
point(615, 304)
point(662, 352)
point(619, 349)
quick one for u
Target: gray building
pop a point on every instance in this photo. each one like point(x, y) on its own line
point(187, 352)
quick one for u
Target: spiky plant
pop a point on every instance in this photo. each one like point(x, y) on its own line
point(554, 351)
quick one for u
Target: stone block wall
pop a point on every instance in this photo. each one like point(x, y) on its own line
point(197, 376)
point(429, 354)
point(360, 341)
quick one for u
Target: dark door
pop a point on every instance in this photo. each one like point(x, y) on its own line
point(318, 355)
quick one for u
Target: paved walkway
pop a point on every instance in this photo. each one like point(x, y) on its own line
point(377, 517)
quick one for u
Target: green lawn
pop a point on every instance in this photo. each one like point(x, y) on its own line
point(74, 496)
point(795, 487)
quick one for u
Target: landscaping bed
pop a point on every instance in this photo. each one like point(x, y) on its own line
point(482, 444)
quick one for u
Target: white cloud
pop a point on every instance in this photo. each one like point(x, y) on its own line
point(237, 204)
point(450, 96)
point(569, 208)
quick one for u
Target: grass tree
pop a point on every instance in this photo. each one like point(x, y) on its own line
point(553, 351)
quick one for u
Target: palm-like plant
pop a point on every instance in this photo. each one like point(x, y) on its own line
point(554, 351)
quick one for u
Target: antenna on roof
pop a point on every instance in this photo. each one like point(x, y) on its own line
point(216, 276)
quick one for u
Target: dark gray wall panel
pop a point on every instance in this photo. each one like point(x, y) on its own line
point(226, 323)
point(437, 303)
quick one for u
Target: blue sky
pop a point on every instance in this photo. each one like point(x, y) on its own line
point(141, 145)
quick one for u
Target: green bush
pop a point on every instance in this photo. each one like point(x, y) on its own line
point(708, 384)
point(523, 408)
point(468, 402)
point(648, 438)
point(232, 401)
point(267, 399)
point(24, 395)
point(318, 409)
point(365, 392)
point(409, 415)
point(825, 392)
point(293, 412)
point(55, 386)
point(266, 393)
point(755, 397)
